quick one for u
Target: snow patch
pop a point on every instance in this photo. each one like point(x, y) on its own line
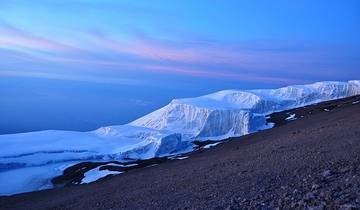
point(28, 179)
point(121, 165)
point(291, 117)
point(96, 174)
point(208, 146)
point(182, 158)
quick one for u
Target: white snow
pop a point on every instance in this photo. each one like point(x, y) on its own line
point(27, 179)
point(238, 112)
point(121, 165)
point(182, 158)
point(355, 102)
point(291, 117)
point(211, 145)
point(33, 158)
point(167, 131)
point(95, 174)
point(109, 143)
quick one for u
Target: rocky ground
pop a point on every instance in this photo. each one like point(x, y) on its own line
point(311, 161)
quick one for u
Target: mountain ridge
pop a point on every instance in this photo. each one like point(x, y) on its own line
point(190, 116)
point(308, 163)
point(36, 157)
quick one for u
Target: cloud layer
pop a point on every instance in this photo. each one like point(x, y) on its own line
point(267, 62)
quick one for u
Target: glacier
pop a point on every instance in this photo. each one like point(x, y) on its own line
point(231, 113)
point(30, 160)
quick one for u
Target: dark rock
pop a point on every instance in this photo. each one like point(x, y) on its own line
point(326, 173)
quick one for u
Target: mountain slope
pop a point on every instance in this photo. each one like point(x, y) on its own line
point(34, 158)
point(312, 162)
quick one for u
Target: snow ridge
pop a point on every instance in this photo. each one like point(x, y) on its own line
point(36, 157)
point(238, 112)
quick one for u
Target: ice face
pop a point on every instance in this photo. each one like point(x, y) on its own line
point(237, 112)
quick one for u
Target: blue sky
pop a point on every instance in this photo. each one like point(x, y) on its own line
point(81, 64)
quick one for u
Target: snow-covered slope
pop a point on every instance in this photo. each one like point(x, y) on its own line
point(28, 161)
point(32, 159)
point(107, 143)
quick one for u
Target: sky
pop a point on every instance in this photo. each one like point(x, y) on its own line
point(82, 64)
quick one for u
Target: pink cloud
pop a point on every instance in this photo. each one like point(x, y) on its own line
point(222, 74)
point(249, 63)
point(81, 78)
point(186, 71)
point(11, 37)
point(251, 57)
point(148, 49)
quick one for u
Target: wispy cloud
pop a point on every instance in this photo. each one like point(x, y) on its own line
point(253, 56)
point(11, 37)
point(254, 61)
point(82, 78)
point(146, 48)
point(186, 71)
point(237, 76)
